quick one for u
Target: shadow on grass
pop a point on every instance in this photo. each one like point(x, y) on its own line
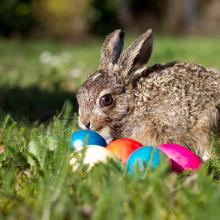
point(34, 103)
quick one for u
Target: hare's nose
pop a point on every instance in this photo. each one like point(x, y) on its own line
point(88, 125)
point(84, 124)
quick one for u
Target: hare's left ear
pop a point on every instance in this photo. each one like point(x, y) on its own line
point(134, 59)
point(111, 49)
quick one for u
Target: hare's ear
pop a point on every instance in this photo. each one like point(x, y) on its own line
point(136, 56)
point(111, 49)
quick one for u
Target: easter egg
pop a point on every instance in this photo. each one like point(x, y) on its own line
point(143, 157)
point(181, 157)
point(122, 148)
point(92, 156)
point(82, 138)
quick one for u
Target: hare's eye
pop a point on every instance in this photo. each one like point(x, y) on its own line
point(106, 100)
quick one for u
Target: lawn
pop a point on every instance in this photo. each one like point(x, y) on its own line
point(38, 82)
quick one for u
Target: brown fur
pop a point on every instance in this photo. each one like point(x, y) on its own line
point(165, 103)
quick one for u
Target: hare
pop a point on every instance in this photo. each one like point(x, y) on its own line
point(164, 103)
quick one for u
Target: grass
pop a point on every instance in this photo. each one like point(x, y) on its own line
point(38, 113)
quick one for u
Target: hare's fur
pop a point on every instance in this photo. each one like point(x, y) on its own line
point(165, 103)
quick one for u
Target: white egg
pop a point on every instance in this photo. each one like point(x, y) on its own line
point(93, 154)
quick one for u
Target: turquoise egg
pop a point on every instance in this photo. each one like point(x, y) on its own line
point(82, 138)
point(141, 158)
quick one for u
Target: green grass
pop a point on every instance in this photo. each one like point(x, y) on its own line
point(38, 113)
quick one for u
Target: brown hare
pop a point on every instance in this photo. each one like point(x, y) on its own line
point(164, 103)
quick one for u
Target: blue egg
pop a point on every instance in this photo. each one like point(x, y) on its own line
point(82, 138)
point(141, 158)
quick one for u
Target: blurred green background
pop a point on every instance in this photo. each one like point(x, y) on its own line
point(79, 19)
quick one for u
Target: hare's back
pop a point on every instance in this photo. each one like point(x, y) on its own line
point(178, 92)
point(179, 81)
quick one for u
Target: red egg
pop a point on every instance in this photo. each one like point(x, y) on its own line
point(122, 148)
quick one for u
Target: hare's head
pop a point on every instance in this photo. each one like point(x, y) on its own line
point(106, 98)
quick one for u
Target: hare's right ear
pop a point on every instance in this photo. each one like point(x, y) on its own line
point(111, 49)
point(136, 56)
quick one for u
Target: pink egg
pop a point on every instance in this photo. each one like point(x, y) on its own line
point(181, 157)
